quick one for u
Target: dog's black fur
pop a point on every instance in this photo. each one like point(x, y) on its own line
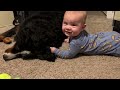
point(37, 33)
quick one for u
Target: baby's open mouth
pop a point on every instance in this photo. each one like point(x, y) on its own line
point(68, 33)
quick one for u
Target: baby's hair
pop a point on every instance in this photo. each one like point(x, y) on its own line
point(82, 14)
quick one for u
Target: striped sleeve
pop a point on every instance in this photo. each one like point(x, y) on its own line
point(68, 54)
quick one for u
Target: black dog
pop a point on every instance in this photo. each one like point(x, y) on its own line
point(35, 35)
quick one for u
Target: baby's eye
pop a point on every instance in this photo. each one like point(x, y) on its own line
point(74, 25)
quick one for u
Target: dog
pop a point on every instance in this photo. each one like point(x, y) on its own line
point(35, 35)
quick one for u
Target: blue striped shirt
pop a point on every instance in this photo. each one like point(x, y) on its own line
point(102, 43)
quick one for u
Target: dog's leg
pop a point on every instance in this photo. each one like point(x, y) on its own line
point(12, 53)
point(6, 36)
point(44, 54)
point(8, 55)
point(27, 55)
point(47, 55)
point(50, 57)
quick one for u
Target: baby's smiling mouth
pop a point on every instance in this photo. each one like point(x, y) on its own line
point(68, 32)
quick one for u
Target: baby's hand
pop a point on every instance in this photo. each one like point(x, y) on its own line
point(52, 49)
point(66, 40)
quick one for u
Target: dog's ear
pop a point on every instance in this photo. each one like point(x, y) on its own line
point(18, 19)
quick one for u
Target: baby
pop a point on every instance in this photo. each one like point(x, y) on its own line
point(80, 41)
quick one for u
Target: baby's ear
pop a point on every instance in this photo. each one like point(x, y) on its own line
point(84, 25)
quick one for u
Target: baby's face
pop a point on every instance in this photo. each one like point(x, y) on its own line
point(72, 26)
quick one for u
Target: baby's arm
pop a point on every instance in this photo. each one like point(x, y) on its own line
point(66, 54)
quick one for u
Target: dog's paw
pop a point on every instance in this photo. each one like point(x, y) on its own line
point(7, 40)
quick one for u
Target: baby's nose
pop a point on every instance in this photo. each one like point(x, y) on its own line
point(68, 28)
